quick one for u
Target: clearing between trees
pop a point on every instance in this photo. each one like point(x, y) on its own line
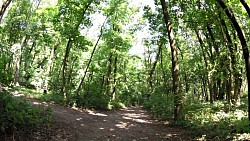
point(129, 124)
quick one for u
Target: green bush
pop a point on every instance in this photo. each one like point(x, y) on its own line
point(18, 116)
point(93, 100)
point(55, 97)
point(160, 105)
point(203, 118)
point(116, 105)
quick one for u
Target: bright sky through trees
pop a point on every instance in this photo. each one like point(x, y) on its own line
point(138, 47)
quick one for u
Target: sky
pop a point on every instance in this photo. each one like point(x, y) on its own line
point(138, 47)
point(98, 20)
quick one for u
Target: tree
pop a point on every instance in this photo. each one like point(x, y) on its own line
point(4, 6)
point(243, 2)
point(243, 42)
point(175, 63)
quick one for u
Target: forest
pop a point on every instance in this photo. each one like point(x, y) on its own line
point(184, 61)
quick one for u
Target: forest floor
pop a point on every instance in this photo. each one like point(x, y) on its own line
point(130, 124)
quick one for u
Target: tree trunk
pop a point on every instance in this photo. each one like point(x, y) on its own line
point(115, 74)
point(233, 69)
point(64, 69)
point(211, 94)
point(50, 65)
point(108, 74)
point(90, 59)
point(175, 63)
point(3, 9)
point(154, 66)
point(164, 73)
point(243, 42)
point(243, 2)
point(70, 79)
point(19, 61)
point(216, 81)
point(67, 52)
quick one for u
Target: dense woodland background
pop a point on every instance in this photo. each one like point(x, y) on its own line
point(194, 65)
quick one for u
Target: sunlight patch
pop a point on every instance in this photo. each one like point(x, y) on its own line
point(122, 125)
point(78, 119)
point(36, 103)
point(135, 115)
point(142, 121)
point(97, 114)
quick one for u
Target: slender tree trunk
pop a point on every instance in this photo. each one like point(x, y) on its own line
point(243, 2)
point(175, 63)
point(228, 69)
point(242, 39)
point(108, 74)
point(211, 92)
point(19, 61)
point(217, 82)
point(67, 51)
point(163, 72)
point(70, 79)
point(236, 70)
point(3, 8)
point(90, 59)
point(49, 67)
point(115, 80)
point(154, 66)
point(64, 68)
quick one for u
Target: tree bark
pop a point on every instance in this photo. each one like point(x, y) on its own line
point(115, 75)
point(90, 59)
point(175, 62)
point(64, 69)
point(67, 51)
point(243, 42)
point(243, 2)
point(19, 61)
point(3, 9)
point(49, 67)
point(232, 70)
point(154, 66)
point(108, 74)
point(211, 92)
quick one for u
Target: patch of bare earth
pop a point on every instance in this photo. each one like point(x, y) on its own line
point(130, 124)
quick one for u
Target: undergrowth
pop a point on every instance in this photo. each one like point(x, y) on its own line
point(19, 118)
point(217, 121)
point(94, 100)
point(204, 121)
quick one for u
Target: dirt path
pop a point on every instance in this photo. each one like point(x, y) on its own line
point(131, 124)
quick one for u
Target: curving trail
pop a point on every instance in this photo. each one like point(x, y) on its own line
point(130, 124)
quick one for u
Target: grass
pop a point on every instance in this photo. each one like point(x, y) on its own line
point(215, 121)
point(56, 98)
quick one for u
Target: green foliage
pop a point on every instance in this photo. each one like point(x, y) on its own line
point(116, 105)
point(93, 100)
point(161, 105)
point(55, 98)
point(203, 118)
point(18, 116)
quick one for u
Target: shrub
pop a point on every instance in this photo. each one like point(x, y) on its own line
point(19, 117)
point(160, 105)
point(116, 105)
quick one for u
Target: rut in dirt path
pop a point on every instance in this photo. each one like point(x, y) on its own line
point(130, 124)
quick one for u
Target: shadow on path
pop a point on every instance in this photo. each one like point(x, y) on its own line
point(130, 124)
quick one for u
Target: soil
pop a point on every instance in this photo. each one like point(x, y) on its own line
point(129, 124)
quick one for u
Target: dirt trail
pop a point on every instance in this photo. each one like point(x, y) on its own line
point(130, 124)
